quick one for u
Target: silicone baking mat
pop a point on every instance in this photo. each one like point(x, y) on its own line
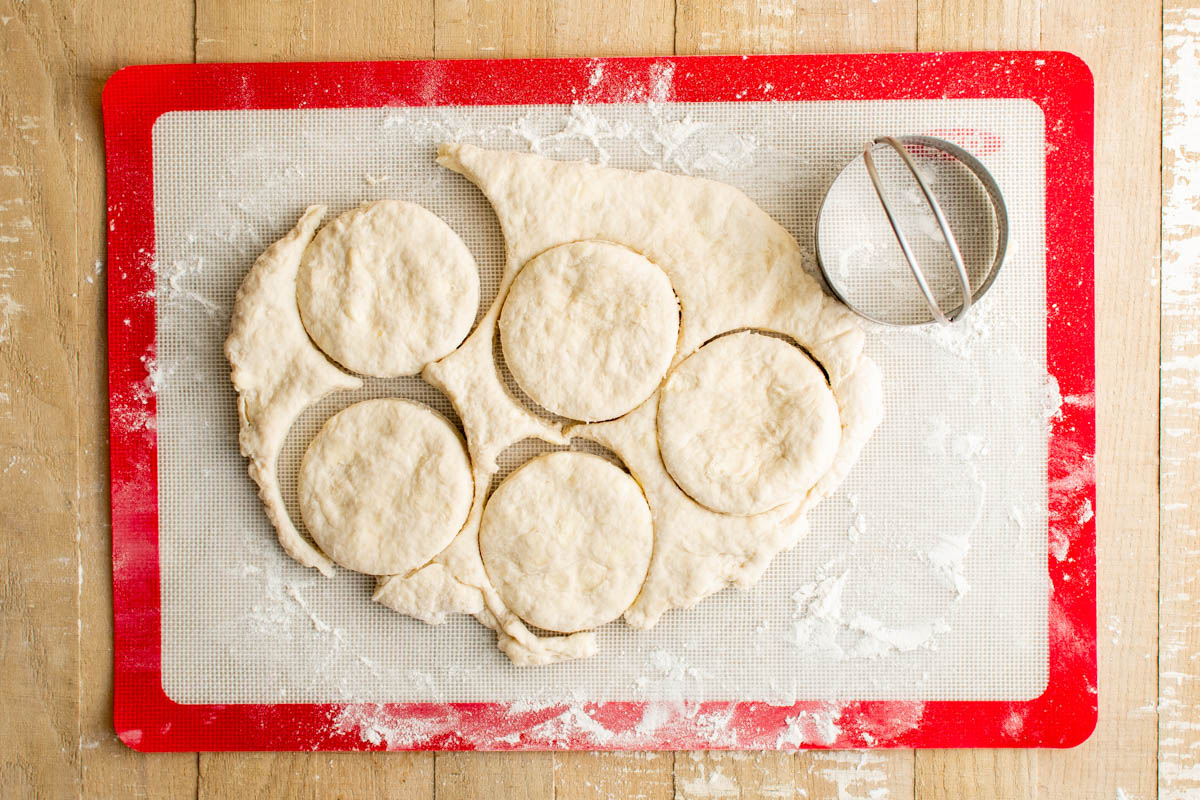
point(945, 596)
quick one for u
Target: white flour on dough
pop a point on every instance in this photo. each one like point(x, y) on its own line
point(566, 541)
point(384, 486)
point(589, 329)
point(386, 288)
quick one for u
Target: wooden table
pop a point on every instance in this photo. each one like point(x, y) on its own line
point(56, 737)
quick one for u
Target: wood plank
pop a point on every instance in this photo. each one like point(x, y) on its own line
point(108, 35)
point(553, 28)
point(993, 25)
point(481, 776)
point(954, 774)
point(1121, 41)
point(39, 595)
point(297, 30)
point(312, 30)
point(316, 776)
point(979, 25)
point(780, 27)
point(746, 776)
point(1179, 568)
point(789, 26)
point(623, 776)
point(856, 774)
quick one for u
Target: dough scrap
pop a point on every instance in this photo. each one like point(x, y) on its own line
point(385, 486)
point(277, 373)
point(588, 329)
point(566, 541)
point(747, 423)
point(428, 595)
point(387, 288)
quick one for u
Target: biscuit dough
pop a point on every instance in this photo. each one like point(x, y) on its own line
point(277, 373)
point(747, 423)
point(384, 486)
point(387, 288)
point(566, 541)
point(589, 329)
point(732, 267)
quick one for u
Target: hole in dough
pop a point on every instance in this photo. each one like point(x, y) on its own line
point(386, 288)
point(385, 486)
point(474, 220)
point(514, 388)
point(566, 541)
point(588, 329)
point(747, 423)
point(783, 337)
point(518, 454)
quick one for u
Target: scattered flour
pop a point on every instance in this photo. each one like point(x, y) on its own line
point(713, 785)
point(821, 624)
point(10, 309)
point(819, 726)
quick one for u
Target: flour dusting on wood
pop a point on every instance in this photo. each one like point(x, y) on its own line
point(1179, 601)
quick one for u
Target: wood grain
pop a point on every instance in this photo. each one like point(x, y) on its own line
point(313, 30)
point(521, 776)
point(316, 776)
point(1121, 41)
point(39, 595)
point(749, 776)
point(788, 26)
point(979, 25)
point(552, 28)
point(1179, 570)
point(621, 776)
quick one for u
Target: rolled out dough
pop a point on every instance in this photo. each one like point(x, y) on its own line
point(732, 267)
point(385, 486)
point(589, 329)
point(566, 541)
point(387, 288)
point(747, 423)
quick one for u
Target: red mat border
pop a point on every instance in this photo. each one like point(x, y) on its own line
point(147, 719)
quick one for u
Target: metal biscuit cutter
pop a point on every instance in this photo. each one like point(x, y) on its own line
point(964, 225)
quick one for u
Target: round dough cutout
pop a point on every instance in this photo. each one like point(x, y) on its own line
point(747, 423)
point(385, 486)
point(589, 329)
point(566, 541)
point(387, 288)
